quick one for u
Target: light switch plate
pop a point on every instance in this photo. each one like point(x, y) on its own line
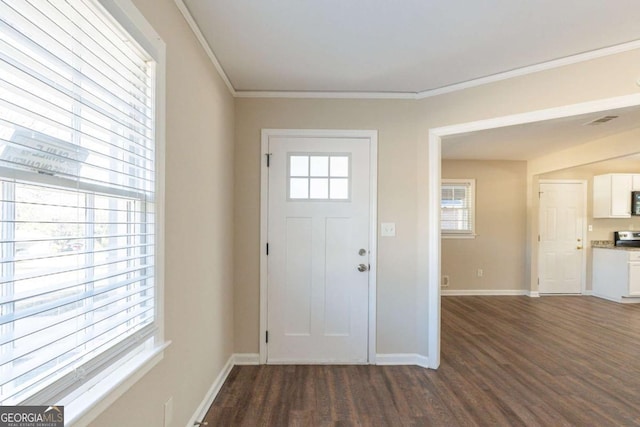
point(388, 229)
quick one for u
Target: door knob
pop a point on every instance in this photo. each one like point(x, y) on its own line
point(579, 247)
point(363, 267)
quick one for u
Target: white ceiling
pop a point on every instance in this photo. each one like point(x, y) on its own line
point(418, 46)
point(407, 46)
point(532, 140)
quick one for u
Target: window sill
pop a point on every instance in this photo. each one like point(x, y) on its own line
point(90, 400)
point(458, 236)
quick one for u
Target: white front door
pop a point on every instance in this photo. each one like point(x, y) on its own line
point(562, 216)
point(318, 259)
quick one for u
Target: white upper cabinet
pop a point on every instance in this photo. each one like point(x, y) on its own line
point(612, 194)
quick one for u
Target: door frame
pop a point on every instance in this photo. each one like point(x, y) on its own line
point(372, 137)
point(429, 207)
point(583, 261)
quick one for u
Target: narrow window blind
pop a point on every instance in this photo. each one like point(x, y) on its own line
point(77, 183)
point(457, 207)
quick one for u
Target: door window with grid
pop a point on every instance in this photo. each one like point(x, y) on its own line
point(457, 209)
point(77, 205)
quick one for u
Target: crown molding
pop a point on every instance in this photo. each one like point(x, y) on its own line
point(518, 72)
point(579, 109)
point(531, 69)
point(203, 42)
point(328, 94)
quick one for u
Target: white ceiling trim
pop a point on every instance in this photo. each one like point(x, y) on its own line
point(556, 63)
point(203, 42)
point(334, 95)
point(539, 115)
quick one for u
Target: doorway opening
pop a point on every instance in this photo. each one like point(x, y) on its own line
point(430, 244)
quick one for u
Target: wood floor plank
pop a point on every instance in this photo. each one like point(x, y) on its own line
point(506, 361)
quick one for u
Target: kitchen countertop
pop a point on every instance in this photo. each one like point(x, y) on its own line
point(608, 244)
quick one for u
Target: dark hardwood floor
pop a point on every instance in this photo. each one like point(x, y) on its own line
point(506, 361)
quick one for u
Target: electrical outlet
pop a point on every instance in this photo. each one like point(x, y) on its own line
point(168, 412)
point(388, 229)
point(445, 281)
point(480, 273)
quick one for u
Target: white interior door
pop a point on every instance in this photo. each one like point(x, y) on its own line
point(318, 260)
point(562, 217)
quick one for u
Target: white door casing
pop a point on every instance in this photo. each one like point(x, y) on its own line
point(320, 226)
point(429, 226)
point(561, 247)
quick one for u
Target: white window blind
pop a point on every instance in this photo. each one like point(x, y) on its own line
point(457, 213)
point(77, 183)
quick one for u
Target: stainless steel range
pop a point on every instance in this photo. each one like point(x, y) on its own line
point(627, 238)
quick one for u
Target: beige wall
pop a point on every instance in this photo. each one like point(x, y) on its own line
point(499, 247)
point(207, 228)
point(396, 203)
point(562, 162)
point(199, 232)
point(403, 175)
point(603, 228)
point(615, 146)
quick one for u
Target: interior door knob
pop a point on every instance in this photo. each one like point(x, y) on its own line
point(363, 268)
point(579, 247)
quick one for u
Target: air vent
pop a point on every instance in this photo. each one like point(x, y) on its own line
point(601, 120)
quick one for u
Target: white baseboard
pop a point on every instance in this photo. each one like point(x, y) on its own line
point(533, 294)
point(621, 299)
point(422, 361)
point(402, 359)
point(246, 359)
point(588, 293)
point(201, 412)
point(254, 359)
point(234, 359)
point(483, 292)
point(608, 298)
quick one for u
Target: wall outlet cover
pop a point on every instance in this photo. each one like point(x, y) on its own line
point(445, 281)
point(388, 229)
point(168, 412)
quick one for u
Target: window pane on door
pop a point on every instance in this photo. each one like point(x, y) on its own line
point(319, 166)
point(299, 188)
point(318, 177)
point(339, 189)
point(299, 166)
point(319, 188)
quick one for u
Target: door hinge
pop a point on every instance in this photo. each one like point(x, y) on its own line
point(538, 237)
point(268, 159)
point(538, 280)
point(267, 249)
point(266, 336)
